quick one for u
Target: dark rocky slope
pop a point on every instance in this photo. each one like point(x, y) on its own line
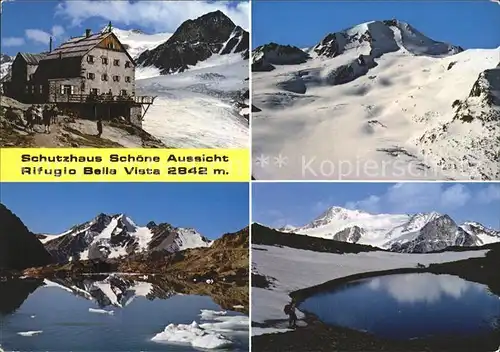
point(266, 236)
point(19, 248)
point(195, 41)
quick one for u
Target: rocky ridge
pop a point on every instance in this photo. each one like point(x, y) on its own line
point(195, 41)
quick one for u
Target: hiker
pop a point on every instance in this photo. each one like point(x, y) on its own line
point(46, 116)
point(38, 114)
point(30, 119)
point(54, 113)
point(292, 316)
point(99, 127)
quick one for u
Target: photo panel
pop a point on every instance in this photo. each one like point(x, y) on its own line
point(375, 267)
point(131, 74)
point(124, 267)
point(375, 90)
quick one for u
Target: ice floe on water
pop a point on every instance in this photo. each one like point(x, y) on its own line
point(207, 314)
point(221, 323)
point(216, 333)
point(193, 335)
point(101, 311)
point(30, 333)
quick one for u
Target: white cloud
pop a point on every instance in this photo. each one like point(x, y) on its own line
point(12, 41)
point(57, 31)
point(161, 16)
point(38, 36)
point(455, 196)
point(369, 204)
point(42, 37)
point(416, 197)
point(497, 1)
point(489, 194)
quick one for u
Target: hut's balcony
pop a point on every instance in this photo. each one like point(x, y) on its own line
point(101, 99)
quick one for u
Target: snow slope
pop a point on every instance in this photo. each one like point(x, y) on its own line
point(295, 269)
point(137, 41)
point(360, 106)
point(195, 109)
point(420, 232)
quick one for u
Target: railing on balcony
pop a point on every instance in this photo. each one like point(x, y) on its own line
point(103, 98)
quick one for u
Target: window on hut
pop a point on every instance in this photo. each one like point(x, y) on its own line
point(127, 79)
point(90, 75)
point(90, 59)
point(116, 78)
point(104, 77)
point(127, 64)
point(104, 60)
point(116, 62)
point(67, 89)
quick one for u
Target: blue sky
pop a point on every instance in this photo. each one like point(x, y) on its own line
point(278, 204)
point(470, 24)
point(27, 25)
point(211, 208)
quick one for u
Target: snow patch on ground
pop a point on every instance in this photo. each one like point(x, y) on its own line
point(256, 331)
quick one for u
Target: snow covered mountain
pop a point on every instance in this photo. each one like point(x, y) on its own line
point(417, 233)
point(113, 236)
point(380, 91)
point(5, 64)
point(196, 41)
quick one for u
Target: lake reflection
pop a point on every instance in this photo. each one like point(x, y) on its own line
point(106, 313)
point(409, 306)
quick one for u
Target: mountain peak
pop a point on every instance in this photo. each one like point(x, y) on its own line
point(197, 40)
point(381, 37)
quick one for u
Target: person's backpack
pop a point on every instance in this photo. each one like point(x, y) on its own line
point(288, 309)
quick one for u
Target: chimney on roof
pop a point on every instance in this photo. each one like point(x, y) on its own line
point(50, 45)
point(87, 33)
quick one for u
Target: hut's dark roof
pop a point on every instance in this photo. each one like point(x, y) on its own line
point(79, 46)
point(33, 59)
